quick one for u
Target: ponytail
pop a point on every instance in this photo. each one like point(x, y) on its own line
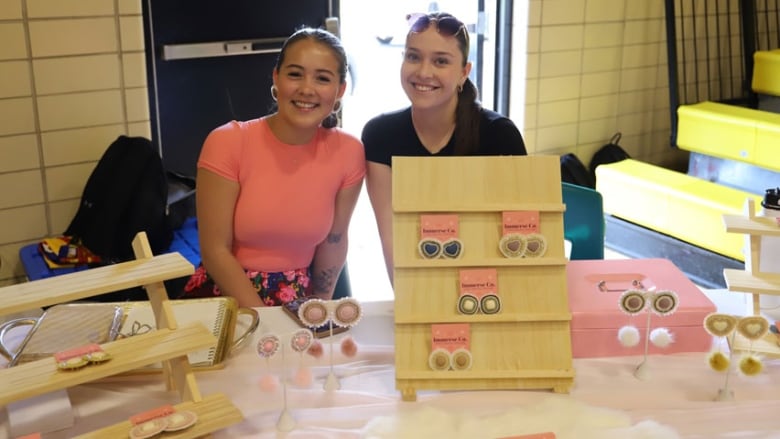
point(467, 117)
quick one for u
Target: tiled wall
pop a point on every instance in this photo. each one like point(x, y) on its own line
point(73, 79)
point(595, 67)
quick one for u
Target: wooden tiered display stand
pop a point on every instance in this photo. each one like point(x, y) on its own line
point(169, 344)
point(751, 280)
point(528, 344)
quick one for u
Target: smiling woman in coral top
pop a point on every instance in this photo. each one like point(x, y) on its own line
point(275, 194)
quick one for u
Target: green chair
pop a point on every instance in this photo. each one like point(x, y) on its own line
point(583, 221)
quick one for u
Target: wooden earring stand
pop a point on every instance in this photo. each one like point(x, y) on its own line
point(751, 280)
point(169, 344)
point(528, 344)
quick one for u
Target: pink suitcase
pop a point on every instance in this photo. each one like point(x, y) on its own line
point(595, 287)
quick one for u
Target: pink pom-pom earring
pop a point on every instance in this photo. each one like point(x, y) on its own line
point(267, 348)
point(348, 346)
point(301, 342)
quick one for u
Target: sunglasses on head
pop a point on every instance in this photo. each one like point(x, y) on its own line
point(447, 25)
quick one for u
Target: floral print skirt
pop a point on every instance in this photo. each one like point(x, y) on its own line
point(274, 288)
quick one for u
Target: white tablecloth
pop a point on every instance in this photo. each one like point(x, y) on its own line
point(606, 400)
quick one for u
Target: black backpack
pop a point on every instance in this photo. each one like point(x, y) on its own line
point(609, 153)
point(574, 171)
point(126, 193)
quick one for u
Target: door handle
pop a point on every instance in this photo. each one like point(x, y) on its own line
point(215, 49)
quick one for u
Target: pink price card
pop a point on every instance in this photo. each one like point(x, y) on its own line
point(155, 413)
point(522, 222)
point(478, 282)
point(77, 352)
point(441, 227)
point(450, 336)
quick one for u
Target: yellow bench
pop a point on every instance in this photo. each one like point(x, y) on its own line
point(676, 204)
point(730, 132)
point(766, 72)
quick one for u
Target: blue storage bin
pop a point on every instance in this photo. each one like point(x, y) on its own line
point(185, 241)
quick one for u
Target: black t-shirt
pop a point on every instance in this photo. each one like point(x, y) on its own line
point(392, 134)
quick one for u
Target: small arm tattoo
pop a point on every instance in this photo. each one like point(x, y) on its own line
point(333, 238)
point(324, 280)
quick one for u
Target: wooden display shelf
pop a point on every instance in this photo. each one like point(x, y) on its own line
point(476, 184)
point(408, 387)
point(768, 346)
point(752, 280)
point(751, 226)
point(484, 374)
point(404, 206)
point(214, 412)
point(419, 262)
point(42, 376)
point(168, 344)
point(527, 345)
point(92, 282)
point(512, 317)
point(755, 283)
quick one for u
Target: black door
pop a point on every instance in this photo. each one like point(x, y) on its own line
point(209, 62)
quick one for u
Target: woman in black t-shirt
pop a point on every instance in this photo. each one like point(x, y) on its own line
point(445, 117)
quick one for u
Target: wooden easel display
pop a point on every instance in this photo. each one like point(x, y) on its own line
point(168, 344)
point(527, 345)
point(751, 280)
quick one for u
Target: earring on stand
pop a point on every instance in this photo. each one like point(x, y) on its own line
point(753, 328)
point(631, 302)
point(300, 342)
point(315, 313)
point(267, 348)
point(347, 313)
point(721, 326)
point(664, 303)
point(344, 312)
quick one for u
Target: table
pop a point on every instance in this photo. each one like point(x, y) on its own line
point(676, 402)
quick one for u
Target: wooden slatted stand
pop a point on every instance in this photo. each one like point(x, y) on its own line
point(528, 344)
point(752, 280)
point(169, 344)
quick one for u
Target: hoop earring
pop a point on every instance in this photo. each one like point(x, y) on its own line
point(337, 106)
point(274, 93)
point(460, 88)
